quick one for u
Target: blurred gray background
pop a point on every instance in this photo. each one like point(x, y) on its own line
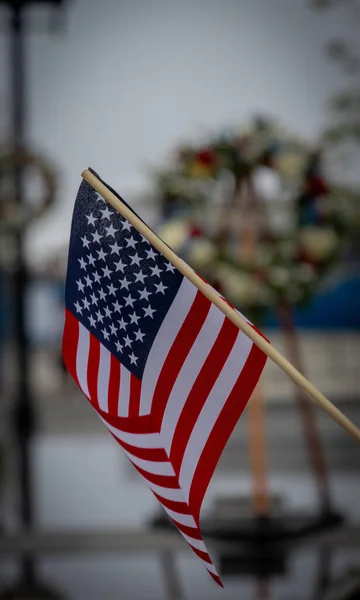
point(116, 89)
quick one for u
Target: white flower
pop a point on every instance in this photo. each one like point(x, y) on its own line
point(318, 242)
point(175, 233)
point(237, 286)
point(201, 253)
point(279, 276)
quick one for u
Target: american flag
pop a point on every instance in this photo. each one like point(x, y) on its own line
point(168, 373)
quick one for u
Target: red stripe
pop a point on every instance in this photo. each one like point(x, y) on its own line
point(114, 385)
point(93, 370)
point(203, 555)
point(166, 481)
point(139, 425)
point(178, 353)
point(216, 578)
point(224, 426)
point(193, 532)
point(180, 507)
point(202, 387)
point(135, 391)
point(70, 343)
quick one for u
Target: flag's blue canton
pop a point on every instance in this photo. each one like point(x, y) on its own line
point(118, 285)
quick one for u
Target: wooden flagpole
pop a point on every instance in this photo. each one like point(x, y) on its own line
point(210, 293)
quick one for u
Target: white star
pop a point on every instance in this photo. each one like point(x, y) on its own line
point(117, 306)
point(80, 285)
point(106, 213)
point(125, 283)
point(96, 276)
point(155, 271)
point(88, 280)
point(122, 323)
point(126, 226)
point(86, 304)
point(107, 312)
point(91, 219)
point(127, 341)
point(106, 272)
point(129, 300)
point(82, 263)
point(113, 329)
point(133, 358)
point(115, 248)
point(119, 347)
point(101, 254)
point(170, 267)
point(94, 299)
point(144, 240)
point(134, 318)
point(85, 242)
point(139, 335)
point(131, 242)
point(160, 287)
point(99, 198)
point(120, 266)
point(92, 321)
point(135, 260)
point(78, 307)
point(140, 277)
point(91, 259)
point(102, 294)
point(112, 289)
point(144, 294)
point(96, 237)
point(100, 316)
point(151, 254)
point(149, 311)
point(105, 333)
point(111, 230)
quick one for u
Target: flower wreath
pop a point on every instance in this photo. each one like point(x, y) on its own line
point(12, 215)
point(284, 266)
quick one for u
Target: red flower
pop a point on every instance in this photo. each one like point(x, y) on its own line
point(317, 186)
point(196, 231)
point(268, 159)
point(205, 156)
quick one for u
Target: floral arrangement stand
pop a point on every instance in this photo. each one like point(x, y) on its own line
point(252, 212)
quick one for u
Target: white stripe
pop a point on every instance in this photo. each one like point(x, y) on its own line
point(189, 372)
point(103, 379)
point(164, 492)
point(212, 408)
point(124, 392)
point(199, 544)
point(166, 335)
point(152, 466)
point(139, 440)
point(82, 357)
point(187, 520)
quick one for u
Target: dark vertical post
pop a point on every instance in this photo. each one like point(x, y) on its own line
point(24, 417)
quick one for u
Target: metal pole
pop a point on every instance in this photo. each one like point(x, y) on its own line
point(24, 414)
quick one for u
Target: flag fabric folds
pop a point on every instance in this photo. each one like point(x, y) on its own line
point(168, 373)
